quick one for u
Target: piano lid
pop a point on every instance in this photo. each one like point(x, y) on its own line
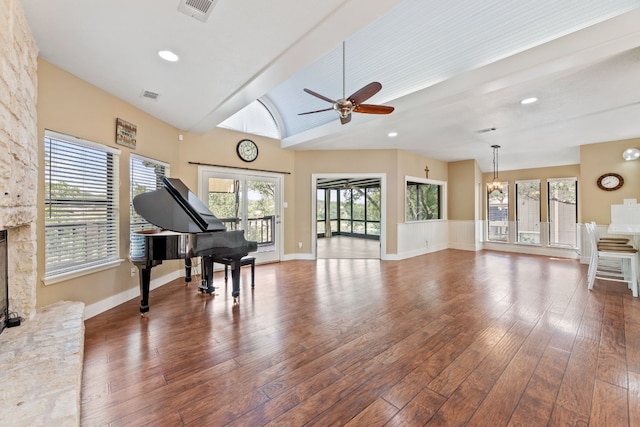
point(174, 207)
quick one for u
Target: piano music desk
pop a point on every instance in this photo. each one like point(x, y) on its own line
point(246, 260)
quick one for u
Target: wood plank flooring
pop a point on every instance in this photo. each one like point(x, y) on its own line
point(347, 247)
point(450, 338)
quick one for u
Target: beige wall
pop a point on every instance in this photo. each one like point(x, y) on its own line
point(347, 161)
point(597, 159)
point(410, 164)
point(218, 147)
point(394, 164)
point(71, 106)
point(462, 190)
point(570, 171)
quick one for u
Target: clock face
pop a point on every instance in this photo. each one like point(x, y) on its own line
point(247, 150)
point(610, 181)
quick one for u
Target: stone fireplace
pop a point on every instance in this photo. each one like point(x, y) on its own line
point(41, 385)
point(19, 156)
point(4, 292)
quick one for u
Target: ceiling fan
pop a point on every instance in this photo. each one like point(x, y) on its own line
point(353, 103)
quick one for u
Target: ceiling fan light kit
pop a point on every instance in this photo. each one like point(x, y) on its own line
point(354, 103)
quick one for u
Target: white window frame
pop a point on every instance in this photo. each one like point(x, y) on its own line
point(505, 186)
point(136, 222)
point(74, 165)
point(443, 197)
point(560, 245)
point(517, 213)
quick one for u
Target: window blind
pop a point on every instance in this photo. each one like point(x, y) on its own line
point(81, 204)
point(144, 175)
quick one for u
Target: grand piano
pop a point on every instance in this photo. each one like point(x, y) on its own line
point(188, 229)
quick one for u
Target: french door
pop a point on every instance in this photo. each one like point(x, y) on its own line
point(246, 201)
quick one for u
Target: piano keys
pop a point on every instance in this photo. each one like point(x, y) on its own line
point(188, 229)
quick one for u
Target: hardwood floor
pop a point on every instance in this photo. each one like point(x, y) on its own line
point(448, 338)
point(347, 247)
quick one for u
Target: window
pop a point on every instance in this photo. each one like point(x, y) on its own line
point(81, 206)
point(321, 212)
point(348, 211)
point(256, 118)
point(498, 214)
point(563, 212)
point(144, 175)
point(345, 223)
point(372, 211)
point(528, 212)
point(423, 200)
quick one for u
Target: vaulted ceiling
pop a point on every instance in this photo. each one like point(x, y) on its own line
point(453, 69)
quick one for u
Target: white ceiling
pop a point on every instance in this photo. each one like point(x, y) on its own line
point(449, 67)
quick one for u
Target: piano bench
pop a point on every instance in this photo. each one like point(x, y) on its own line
point(246, 260)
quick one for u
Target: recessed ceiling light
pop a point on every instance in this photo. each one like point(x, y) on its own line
point(392, 134)
point(167, 55)
point(529, 100)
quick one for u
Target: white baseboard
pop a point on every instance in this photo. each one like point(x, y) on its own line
point(115, 300)
point(533, 250)
point(291, 257)
point(466, 246)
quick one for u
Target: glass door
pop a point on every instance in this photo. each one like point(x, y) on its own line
point(246, 202)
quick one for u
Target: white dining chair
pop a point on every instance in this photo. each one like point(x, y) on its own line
point(609, 240)
point(615, 263)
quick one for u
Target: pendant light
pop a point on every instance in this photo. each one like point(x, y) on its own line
point(495, 185)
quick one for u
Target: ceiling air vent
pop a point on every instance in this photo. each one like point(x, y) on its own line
point(150, 95)
point(199, 9)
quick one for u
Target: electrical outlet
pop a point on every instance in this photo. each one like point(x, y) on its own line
point(133, 271)
point(427, 242)
point(299, 245)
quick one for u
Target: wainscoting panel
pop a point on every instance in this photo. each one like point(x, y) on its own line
point(418, 238)
point(465, 235)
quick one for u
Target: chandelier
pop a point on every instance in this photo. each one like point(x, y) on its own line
point(495, 185)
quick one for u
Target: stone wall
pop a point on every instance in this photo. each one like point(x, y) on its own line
point(18, 154)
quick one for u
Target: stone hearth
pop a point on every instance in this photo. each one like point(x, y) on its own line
point(40, 379)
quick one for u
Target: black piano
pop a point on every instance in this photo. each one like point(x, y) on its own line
point(188, 230)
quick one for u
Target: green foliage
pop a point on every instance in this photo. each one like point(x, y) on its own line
point(423, 201)
point(563, 191)
point(357, 206)
point(529, 190)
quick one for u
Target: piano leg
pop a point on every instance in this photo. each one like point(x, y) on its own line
point(206, 286)
point(235, 278)
point(187, 270)
point(145, 279)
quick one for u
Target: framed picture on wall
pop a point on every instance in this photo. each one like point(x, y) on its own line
point(126, 133)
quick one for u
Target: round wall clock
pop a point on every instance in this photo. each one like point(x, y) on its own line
point(247, 150)
point(610, 181)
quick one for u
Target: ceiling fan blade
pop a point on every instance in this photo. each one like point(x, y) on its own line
point(373, 109)
point(317, 111)
point(365, 93)
point(317, 95)
point(345, 120)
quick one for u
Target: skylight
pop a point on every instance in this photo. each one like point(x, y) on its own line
point(255, 119)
